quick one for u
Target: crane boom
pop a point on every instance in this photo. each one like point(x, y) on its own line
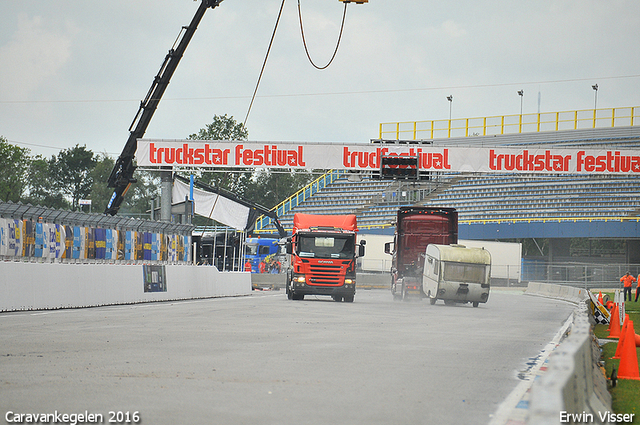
point(121, 176)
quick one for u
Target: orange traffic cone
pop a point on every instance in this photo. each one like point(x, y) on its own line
point(637, 340)
point(628, 368)
point(623, 336)
point(600, 298)
point(614, 323)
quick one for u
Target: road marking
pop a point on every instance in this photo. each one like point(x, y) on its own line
point(509, 405)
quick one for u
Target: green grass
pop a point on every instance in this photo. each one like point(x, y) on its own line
point(626, 394)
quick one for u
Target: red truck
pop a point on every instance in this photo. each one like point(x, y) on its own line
point(323, 256)
point(417, 227)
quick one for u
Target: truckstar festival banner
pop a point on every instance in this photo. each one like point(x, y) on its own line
point(366, 157)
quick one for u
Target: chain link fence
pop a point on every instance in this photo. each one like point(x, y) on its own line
point(582, 275)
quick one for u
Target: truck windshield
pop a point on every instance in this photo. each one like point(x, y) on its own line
point(326, 246)
point(467, 273)
point(251, 249)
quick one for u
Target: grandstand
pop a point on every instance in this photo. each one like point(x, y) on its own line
point(489, 197)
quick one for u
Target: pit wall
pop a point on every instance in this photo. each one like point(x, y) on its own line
point(36, 286)
point(573, 382)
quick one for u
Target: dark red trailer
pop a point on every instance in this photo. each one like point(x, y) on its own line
point(417, 227)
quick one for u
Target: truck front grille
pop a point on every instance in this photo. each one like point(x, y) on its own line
point(325, 274)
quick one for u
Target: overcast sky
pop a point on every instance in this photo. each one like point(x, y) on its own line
point(74, 71)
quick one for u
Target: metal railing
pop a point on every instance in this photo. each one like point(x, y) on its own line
point(511, 124)
point(581, 275)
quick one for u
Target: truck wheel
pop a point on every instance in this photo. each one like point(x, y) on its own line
point(337, 298)
point(432, 300)
point(297, 297)
point(348, 298)
point(476, 303)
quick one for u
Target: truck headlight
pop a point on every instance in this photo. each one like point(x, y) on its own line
point(300, 279)
point(349, 281)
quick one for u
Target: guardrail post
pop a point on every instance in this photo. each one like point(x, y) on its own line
point(613, 117)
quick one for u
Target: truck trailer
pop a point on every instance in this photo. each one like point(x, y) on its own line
point(417, 227)
point(322, 251)
point(457, 274)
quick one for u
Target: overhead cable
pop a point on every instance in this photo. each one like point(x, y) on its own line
point(344, 14)
point(263, 64)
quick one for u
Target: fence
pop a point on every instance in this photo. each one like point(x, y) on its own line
point(581, 275)
point(511, 124)
point(38, 234)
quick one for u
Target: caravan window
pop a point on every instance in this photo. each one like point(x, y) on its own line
point(468, 273)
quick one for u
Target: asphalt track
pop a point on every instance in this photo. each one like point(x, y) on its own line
point(263, 359)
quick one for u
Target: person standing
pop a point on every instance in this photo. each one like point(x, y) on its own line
point(627, 280)
point(637, 290)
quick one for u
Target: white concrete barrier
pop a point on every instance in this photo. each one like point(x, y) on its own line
point(563, 292)
point(573, 383)
point(37, 286)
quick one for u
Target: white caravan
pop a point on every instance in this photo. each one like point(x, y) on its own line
point(457, 274)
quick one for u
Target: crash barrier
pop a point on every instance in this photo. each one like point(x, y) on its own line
point(573, 382)
point(38, 234)
point(564, 292)
point(41, 286)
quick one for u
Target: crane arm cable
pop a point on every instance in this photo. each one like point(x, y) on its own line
point(344, 14)
point(264, 64)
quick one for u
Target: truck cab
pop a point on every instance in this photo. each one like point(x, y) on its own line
point(258, 249)
point(417, 227)
point(323, 257)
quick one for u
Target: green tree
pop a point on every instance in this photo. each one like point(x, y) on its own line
point(100, 192)
point(14, 163)
point(270, 187)
point(138, 199)
point(265, 187)
point(40, 186)
point(71, 173)
point(224, 127)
